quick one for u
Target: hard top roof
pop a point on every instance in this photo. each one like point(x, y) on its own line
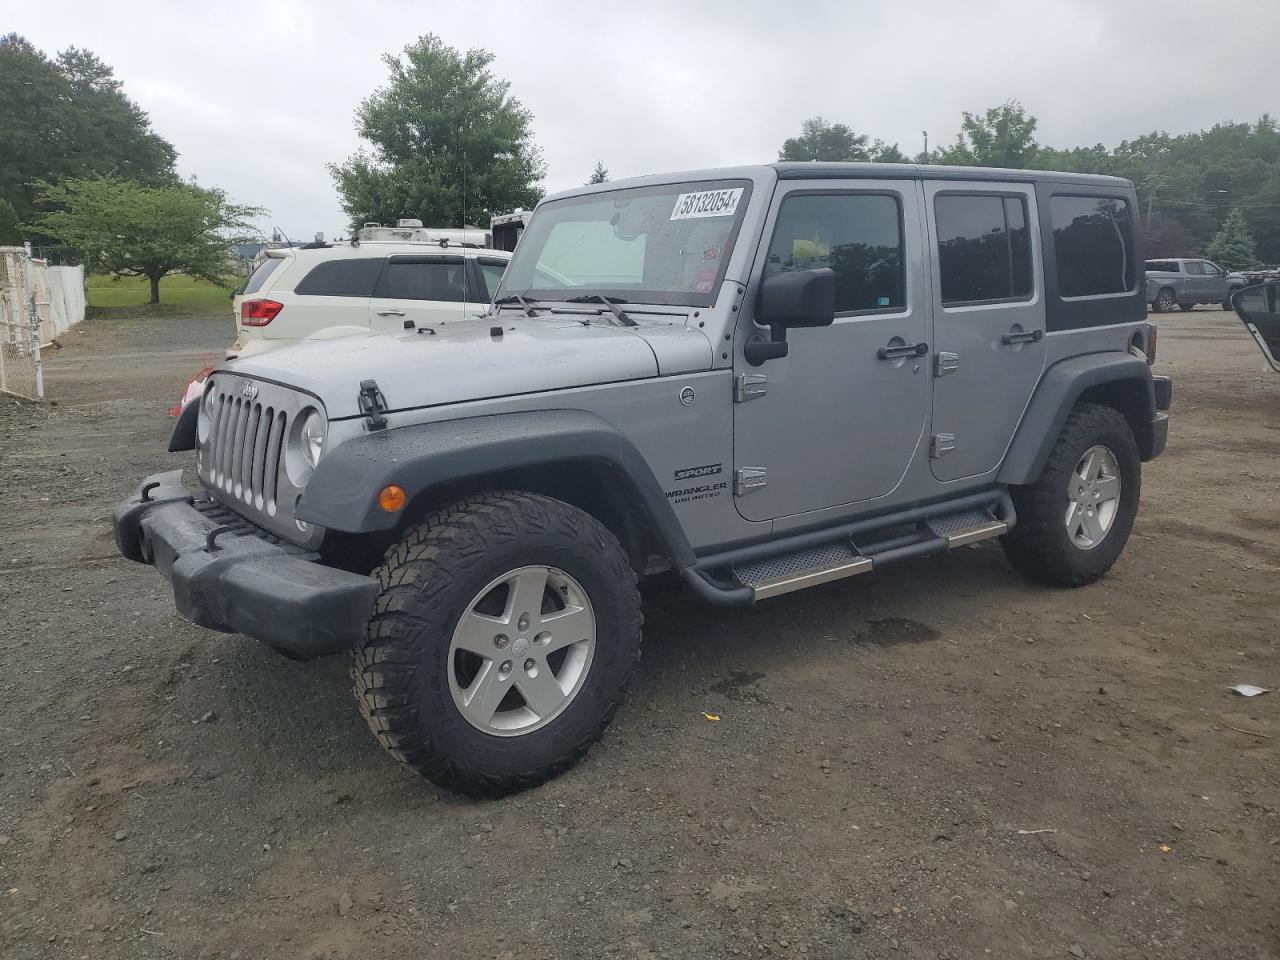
point(813, 170)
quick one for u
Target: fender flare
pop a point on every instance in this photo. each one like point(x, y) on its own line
point(342, 493)
point(1058, 391)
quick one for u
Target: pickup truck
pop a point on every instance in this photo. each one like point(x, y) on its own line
point(1185, 283)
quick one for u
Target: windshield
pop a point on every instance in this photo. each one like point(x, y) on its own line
point(663, 244)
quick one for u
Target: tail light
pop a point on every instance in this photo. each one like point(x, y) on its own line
point(258, 313)
point(193, 389)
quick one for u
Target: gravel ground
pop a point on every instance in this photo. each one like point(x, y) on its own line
point(941, 760)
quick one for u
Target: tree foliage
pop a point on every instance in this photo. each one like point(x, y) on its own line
point(1003, 136)
point(10, 231)
point(128, 229)
point(448, 142)
point(1233, 247)
point(837, 142)
point(69, 117)
point(600, 174)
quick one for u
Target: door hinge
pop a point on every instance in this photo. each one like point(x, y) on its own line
point(942, 444)
point(944, 363)
point(746, 479)
point(748, 386)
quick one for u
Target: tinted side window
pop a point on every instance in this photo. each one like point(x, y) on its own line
point(1195, 268)
point(341, 278)
point(260, 274)
point(859, 236)
point(437, 279)
point(984, 248)
point(492, 271)
point(1211, 269)
point(1093, 243)
point(1163, 266)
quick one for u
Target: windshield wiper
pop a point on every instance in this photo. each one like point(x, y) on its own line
point(610, 302)
point(516, 298)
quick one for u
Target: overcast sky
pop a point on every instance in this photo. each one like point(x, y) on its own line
point(258, 96)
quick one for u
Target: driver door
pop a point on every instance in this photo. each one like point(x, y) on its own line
point(1259, 308)
point(838, 420)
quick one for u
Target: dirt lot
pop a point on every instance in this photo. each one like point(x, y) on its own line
point(883, 744)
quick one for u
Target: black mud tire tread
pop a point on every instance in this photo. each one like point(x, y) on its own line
point(426, 579)
point(1039, 545)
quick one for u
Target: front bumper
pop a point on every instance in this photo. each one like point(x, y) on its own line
point(245, 582)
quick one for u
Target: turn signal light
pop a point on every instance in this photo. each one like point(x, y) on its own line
point(258, 313)
point(391, 498)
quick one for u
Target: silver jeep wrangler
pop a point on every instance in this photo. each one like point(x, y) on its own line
point(761, 379)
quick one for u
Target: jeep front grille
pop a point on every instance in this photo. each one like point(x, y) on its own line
point(242, 459)
point(245, 442)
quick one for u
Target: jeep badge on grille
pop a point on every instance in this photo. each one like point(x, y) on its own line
point(250, 391)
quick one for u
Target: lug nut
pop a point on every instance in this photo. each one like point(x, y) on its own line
point(542, 639)
point(501, 640)
point(523, 623)
point(505, 667)
point(529, 665)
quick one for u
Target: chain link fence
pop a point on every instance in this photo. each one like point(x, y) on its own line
point(37, 304)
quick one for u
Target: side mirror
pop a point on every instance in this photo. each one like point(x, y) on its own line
point(1259, 307)
point(802, 298)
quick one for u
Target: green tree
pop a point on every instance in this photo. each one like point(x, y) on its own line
point(1004, 136)
point(820, 140)
point(1233, 247)
point(888, 153)
point(69, 117)
point(127, 229)
point(449, 142)
point(10, 232)
point(600, 174)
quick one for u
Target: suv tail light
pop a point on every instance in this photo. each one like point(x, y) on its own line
point(258, 313)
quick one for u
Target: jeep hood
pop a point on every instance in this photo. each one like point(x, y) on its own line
point(460, 361)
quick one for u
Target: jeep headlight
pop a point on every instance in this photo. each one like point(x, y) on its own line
point(313, 430)
point(305, 446)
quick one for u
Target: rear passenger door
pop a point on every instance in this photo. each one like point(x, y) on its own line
point(988, 320)
point(1197, 284)
point(424, 289)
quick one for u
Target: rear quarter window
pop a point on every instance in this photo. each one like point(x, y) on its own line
point(1093, 245)
point(341, 278)
point(260, 274)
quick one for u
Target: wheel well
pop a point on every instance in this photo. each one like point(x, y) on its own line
point(1127, 396)
point(593, 486)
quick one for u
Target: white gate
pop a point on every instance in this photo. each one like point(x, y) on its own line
point(22, 296)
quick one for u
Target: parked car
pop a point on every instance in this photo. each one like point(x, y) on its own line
point(1185, 283)
point(1259, 307)
point(761, 378)
point(324, 290)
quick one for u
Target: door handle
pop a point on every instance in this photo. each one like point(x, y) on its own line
point(1024, 336)
point(391, 313)
point(898, 351)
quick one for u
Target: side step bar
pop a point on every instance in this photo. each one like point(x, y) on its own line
point(756, 572)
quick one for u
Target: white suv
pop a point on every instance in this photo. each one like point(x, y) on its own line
point(321, 291)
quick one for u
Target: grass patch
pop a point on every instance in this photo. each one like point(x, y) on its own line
point(178, 293)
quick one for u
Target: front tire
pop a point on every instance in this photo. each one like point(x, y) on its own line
point(500, 646)
point(1074, 521)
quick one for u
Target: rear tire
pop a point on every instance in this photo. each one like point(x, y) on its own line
point(1165, 301)
point(1051, 540)
point(453, 584)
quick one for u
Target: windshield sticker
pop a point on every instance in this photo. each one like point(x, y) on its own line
point(704, 281)
point(707, 203)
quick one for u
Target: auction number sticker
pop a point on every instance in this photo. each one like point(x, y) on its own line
point(707, 203)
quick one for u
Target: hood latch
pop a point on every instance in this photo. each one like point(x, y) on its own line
point(373, 405)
